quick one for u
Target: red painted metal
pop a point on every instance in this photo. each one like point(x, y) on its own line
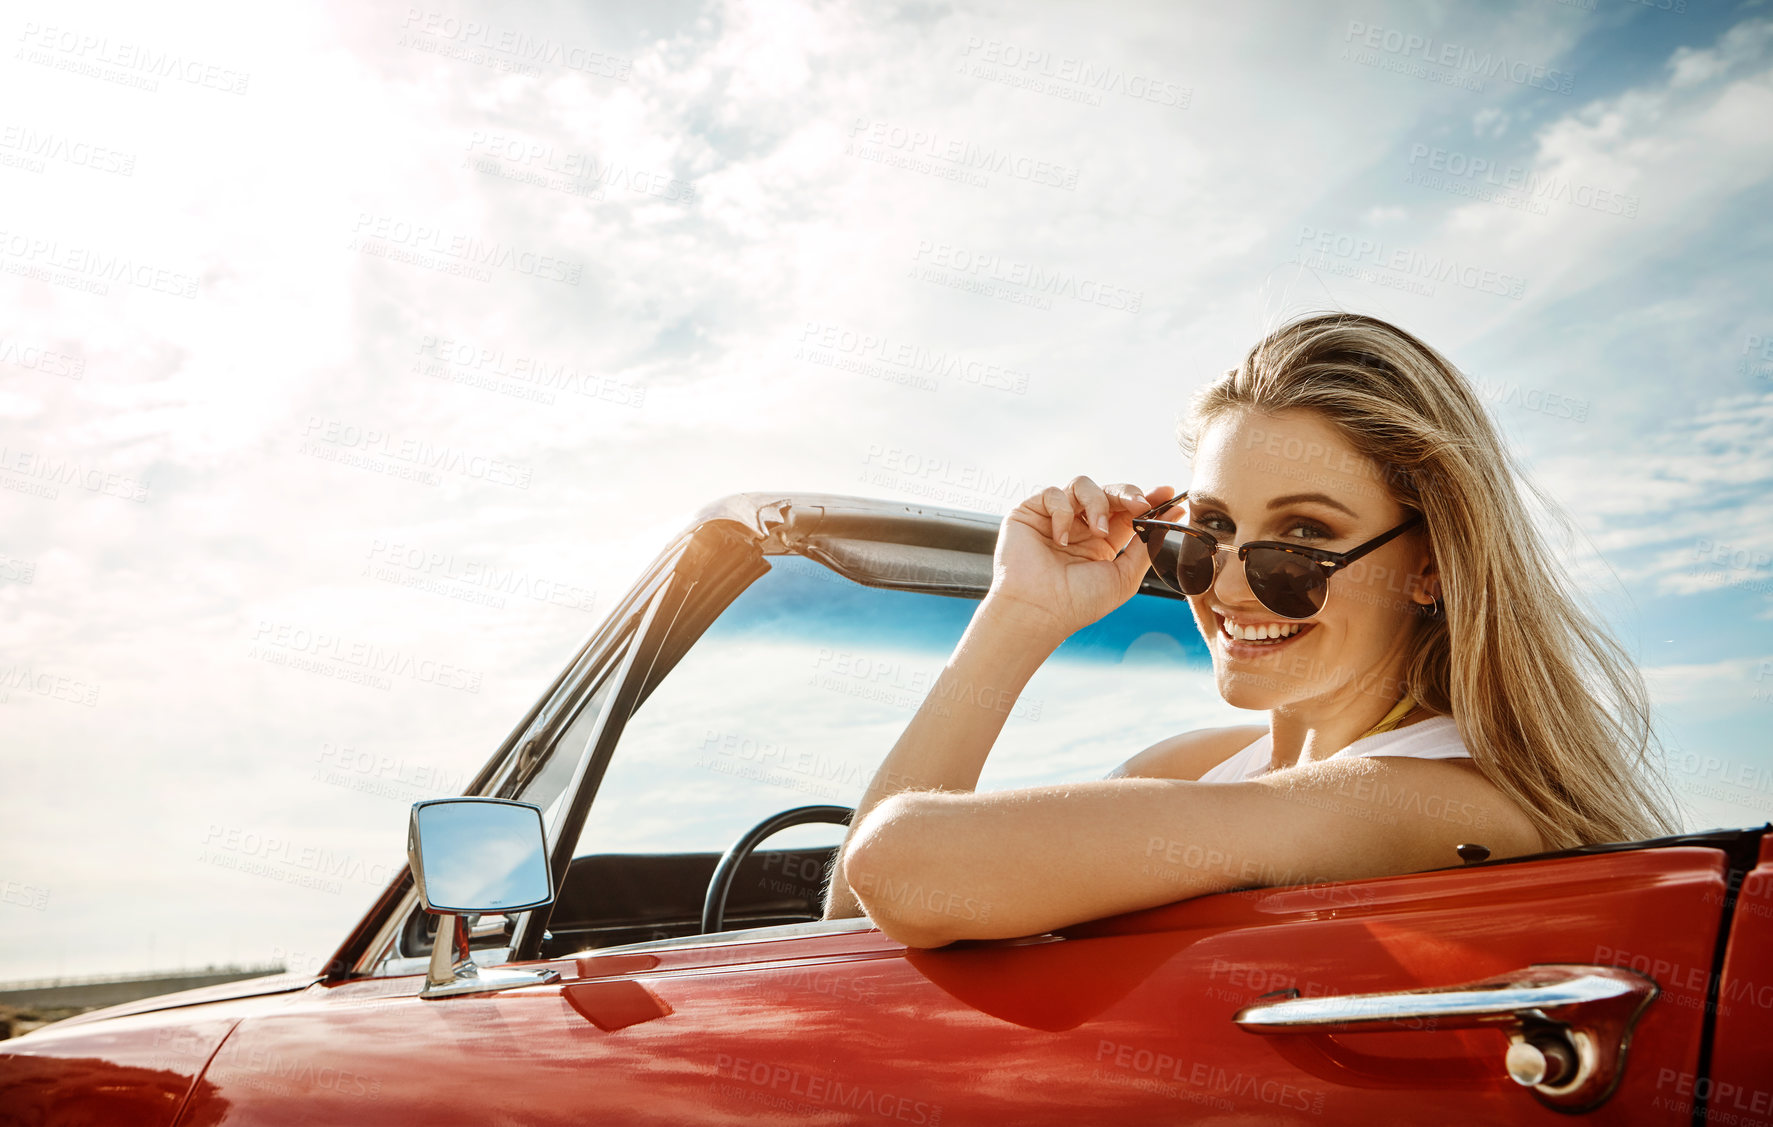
point(1739, 1087)
point(134, 1069)
point(1127, 1020)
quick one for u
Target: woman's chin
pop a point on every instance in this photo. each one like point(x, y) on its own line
point(1245, 691)
point(1262, 692)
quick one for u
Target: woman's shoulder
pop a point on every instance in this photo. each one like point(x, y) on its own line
point(1191, 754)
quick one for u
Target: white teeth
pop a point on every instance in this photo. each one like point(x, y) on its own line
point(1262, 633)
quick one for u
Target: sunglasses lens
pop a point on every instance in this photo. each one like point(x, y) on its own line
point(1162, 547)
point(1178, 559)
point(1288, 584)
point(1194, 565)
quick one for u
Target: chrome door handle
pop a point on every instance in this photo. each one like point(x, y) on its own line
point(1568, 1024)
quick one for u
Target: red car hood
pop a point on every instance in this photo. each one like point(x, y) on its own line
point(221, 992)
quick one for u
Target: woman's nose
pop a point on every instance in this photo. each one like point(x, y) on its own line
point(1230, 585)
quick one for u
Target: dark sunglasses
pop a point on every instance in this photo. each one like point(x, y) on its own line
point(1291, 581)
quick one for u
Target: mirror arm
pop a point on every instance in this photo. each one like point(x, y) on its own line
point(454, 971)
point(448, 952)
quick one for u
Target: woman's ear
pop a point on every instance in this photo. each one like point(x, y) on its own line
point(1426, 587)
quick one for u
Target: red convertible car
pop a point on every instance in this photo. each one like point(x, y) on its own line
point(617, 946)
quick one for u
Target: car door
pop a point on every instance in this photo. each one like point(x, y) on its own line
point(1128, 1020)
point(1147, 1017)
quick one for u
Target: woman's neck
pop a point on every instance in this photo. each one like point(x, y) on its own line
point(1297, 737)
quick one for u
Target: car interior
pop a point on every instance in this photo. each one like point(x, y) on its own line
point(613, 899)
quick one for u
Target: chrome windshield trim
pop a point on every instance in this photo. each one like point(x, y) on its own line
point(730, 938)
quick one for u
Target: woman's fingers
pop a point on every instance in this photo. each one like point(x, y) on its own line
point(1157, 496)
point(1092, 503)
point(1058, 506)
point(1094, 507)
point(1130, 497)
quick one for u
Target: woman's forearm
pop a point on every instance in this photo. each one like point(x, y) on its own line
point(945, 745)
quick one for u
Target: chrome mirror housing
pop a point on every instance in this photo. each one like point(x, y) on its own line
point(471, 856)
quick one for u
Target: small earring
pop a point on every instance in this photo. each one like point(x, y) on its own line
point(1429, 610)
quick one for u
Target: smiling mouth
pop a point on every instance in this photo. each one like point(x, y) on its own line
point(1265, 635)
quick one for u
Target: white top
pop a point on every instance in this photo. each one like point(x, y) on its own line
point(1434, 738)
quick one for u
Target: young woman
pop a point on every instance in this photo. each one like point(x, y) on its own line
point(1357, 556)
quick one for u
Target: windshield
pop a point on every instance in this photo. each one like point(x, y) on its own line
point(799, 690)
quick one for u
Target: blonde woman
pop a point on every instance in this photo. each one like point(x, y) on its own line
point(1357, 555)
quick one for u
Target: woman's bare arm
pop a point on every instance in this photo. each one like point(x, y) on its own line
point(945, 745)
point(1058, 565)
point(933, 868)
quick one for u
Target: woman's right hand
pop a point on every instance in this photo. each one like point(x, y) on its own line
point(1056, 570)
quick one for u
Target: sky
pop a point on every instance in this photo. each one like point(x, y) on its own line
point(426, 328)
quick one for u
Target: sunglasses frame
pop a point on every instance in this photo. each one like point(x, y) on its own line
point(1331, 562)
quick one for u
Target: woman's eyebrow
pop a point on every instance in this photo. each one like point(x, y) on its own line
point(1279, 502)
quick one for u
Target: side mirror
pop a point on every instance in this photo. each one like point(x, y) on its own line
point(469, 856)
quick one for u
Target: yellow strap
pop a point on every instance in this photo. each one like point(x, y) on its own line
point(1398, 711)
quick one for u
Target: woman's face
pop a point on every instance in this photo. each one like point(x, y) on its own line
point(1292, 477)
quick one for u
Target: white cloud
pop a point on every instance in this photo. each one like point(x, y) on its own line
point(699, 301)
point(1490, 122)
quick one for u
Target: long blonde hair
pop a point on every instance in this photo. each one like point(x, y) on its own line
point(1551, 707)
